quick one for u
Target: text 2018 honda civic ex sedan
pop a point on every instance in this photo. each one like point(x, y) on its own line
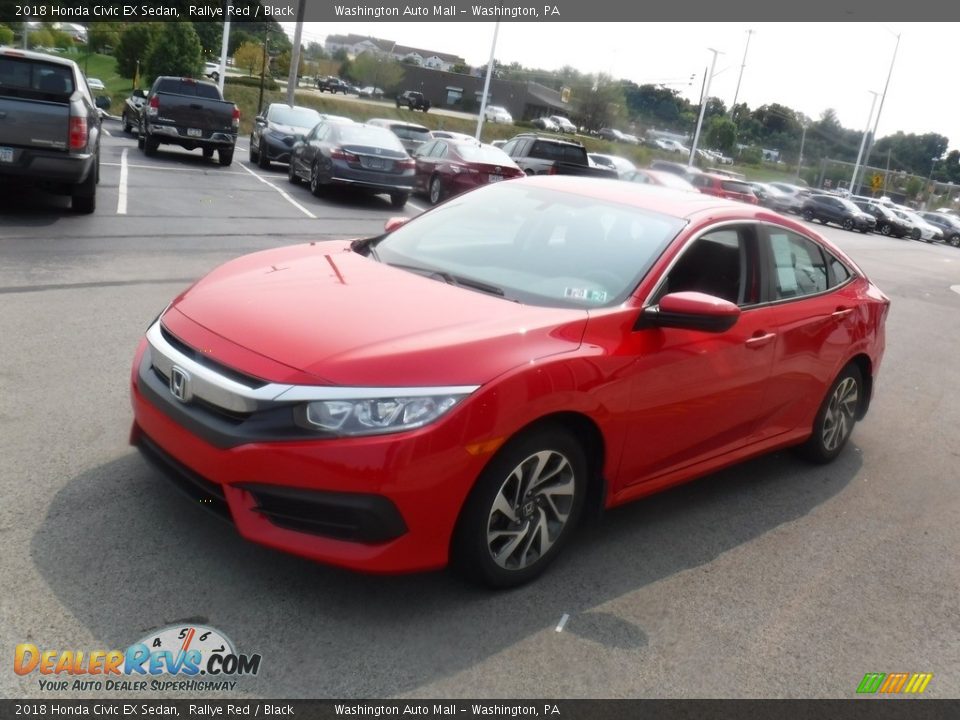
point(470, 384)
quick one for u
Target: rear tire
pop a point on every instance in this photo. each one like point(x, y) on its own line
point(84, 197)
point(398, 200)
point(127, 125)
point(208, 153)
point(150, 146)
point(225, 156)
point(435, 190)
point(837, 415)
point(522, 509)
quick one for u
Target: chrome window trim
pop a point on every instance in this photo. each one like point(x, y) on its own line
point(212, 387)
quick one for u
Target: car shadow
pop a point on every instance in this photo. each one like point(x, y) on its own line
point(125, 553)
point(32, 207)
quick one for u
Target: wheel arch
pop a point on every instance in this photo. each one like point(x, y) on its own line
point(865, 366)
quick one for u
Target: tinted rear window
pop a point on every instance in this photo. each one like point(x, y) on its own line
point(367, 135)
point(22, 77)
point(483, 154)
point(409, 132)
point(559, 152)
point(734, 186)
point(177, 86)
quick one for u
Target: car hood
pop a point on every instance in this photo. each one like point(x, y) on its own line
point(345, 319)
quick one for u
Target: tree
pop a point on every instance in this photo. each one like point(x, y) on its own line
point(41, 37)
point(6, 35)
point(283, 64)
point(103, 35)
point(175, 50)
point(371, 69)
point(721, 134)
point(135, 42)
point(461, 68)
point(211, 37)
point(599, 101)
point(249, 56)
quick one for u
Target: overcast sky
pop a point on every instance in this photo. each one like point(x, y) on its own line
point(807, 66)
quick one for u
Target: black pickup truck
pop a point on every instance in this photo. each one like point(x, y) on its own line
point(49, 126)
point(189, 113)
point(547, 155)
point(413, 100)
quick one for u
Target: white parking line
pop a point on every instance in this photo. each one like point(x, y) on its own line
point(416, 207)
point(283, 193)
point(563, 621)
point(122, 191)
point(174, 168)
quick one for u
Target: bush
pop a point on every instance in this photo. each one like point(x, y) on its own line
point(268, 82)
point(751, 156)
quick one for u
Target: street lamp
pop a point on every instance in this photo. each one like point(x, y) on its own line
point(883, 97)
point(803, 139)
point(863, 142)
point(737, 92)
point(933, 164)
point(703, 107)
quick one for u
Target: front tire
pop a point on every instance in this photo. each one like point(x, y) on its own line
point(885, 230)
point(954, 240)
point(315, 186)
point(915, 234)
point(292, 174)
point(808, 215)
point(848, 224)
point(263, 162)
point(523, 508)
point(836, 417)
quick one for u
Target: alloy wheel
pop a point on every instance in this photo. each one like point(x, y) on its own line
point(841, 411)
point(435, 190)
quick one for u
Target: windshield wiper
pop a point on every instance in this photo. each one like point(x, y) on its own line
point(457, 280)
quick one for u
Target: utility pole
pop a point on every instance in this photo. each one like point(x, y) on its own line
point(294, 76)
point(703, 107)
point(803, 139)
point(224, 46)
point(882, 98)
point(863, 142)
point(486, 82)
point(263, 69)
point(737, 92)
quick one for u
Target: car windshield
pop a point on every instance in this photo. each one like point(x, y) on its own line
point(541, 247)
point(483, 154)
point(849, 205)
point(295, 116)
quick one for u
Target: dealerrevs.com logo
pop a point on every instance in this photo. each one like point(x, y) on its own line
point(185, 658)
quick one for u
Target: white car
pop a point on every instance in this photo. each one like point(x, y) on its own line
point(96, 84)
point(497, 114)
point(212, 71)
point(922, 229)
point(613, 162)
point(545, 123)
point(672, 146)
point(564, 124)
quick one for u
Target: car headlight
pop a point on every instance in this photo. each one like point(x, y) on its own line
point(376, 416)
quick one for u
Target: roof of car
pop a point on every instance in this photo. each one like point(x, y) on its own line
point(388, 123)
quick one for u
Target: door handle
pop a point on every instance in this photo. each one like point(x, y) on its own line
point(759, 341)
point(841, 312)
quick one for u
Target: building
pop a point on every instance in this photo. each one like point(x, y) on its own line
point(355, 45)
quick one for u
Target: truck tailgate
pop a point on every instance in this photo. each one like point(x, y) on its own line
point(32, 124)
point(195, 113)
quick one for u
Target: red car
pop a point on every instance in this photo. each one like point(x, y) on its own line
point(448, 167)
point(662, 178)
point(724, 187)
point(471, 383)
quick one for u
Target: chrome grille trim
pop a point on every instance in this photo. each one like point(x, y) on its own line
point(216, 389)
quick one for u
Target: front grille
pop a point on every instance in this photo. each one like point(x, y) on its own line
point(231, 416)
point(208, 494)
point(203, 359)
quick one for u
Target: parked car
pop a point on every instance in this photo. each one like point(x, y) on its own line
point(922, 230)
point(621, 165)
point(678, 169)
point(610, 134)
point(796, 196)
point(771, 197)
point(659, 178)
point(411, 135)
point(333, 85)
point(630, 139)
point(564, 125)
point(445, 168)
point(96, 84)
point(366, 158)
point(547, 155)
point(672, 146)
point(275, 131)
point(49, 127)
point(370, 92)
point(838, 210)
point(949, 225)
point(545, 123)
point(722, 186)
point(212, 71)
point(888, 222)
point(469, 385)
point(132, 110)
point(451, 135)
point(497, 114)
point(413, 100)
point(189, 113)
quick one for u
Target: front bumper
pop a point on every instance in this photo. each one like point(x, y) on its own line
point(383, 504)
point(276, 149)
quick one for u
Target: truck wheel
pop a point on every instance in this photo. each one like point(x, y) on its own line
point(140, 138)
point(84, 197)
point(398, 200)
point(127, 125)
point(225, 155)
point(208, 153)
point(150, 146)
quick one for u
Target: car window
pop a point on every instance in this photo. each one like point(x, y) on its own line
point(22, 77)
point(508, 148)
point(721, 263)
point(800, 267)
point(424, 150)
point(440, 150)
point(735, 186)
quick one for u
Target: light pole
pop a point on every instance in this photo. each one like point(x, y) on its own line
point(703, 107)
point(933, 164)
point(866, 131)
point(737, 91)
point(486, 83)
point(803, 139)
point(883, 97)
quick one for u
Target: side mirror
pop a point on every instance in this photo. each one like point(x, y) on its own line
point(102, 102)
point(138, 93)
point(299, 139)
point(261, 120)
point(395, 222)
point(691, 311)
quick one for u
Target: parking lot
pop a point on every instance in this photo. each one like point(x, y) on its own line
point(771, 579)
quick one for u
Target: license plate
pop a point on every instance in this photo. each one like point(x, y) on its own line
point(6, 154)
point(374, 164)
point(194, 132)
point(494, 178)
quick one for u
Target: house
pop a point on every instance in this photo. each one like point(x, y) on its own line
point(355, 45)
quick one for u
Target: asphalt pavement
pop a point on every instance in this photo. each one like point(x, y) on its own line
point(774, 578)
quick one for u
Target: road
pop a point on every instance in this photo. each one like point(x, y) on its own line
point(772, 579)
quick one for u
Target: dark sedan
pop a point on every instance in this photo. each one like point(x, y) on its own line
point(450, 167)
point(888, 223)
point(830, 208)
point(949, 225)
point(275, 132)
point(365, 157)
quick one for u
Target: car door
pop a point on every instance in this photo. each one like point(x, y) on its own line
point(424, 164)
point(815, 324)
point(695, 394)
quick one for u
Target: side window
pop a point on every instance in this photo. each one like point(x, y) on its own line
point(721, 263)
point(440, 151)
point(839, 273)
point(700, 181)
point(799, 265)
point(510, 147)
point(424, 150)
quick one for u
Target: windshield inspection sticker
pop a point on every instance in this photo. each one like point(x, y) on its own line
point(598, 296)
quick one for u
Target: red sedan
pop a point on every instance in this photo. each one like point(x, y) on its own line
point(468, 385)
point(448, 167)
point(725, 187)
